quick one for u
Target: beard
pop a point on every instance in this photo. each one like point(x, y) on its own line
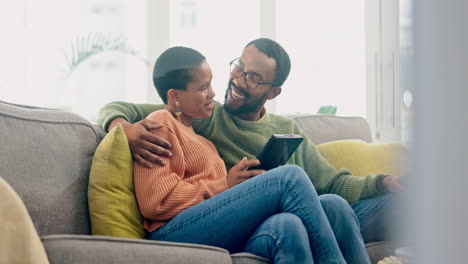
point(250, 107)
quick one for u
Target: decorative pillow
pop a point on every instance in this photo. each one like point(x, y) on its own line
point(113, 207)
point(362, 158)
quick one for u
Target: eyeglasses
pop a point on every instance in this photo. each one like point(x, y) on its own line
point(252, 79)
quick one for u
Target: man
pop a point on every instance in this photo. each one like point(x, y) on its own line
point(241, 127)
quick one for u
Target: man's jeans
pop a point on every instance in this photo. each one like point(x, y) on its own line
point(377, 216)
point(277, 215)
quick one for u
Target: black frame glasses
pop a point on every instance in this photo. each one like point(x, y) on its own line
point(249, 77)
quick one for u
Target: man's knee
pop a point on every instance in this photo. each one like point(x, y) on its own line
point(282, 227)
point(335, 205)
point(289, 228)
point(288, 221)
point(332, 201)
point(282, 234)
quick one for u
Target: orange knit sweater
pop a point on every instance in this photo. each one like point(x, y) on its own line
point(193, 174)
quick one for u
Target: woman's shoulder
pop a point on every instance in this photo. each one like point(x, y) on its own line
point(162, 116)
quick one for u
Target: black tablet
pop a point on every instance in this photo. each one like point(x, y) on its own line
point(278, 150)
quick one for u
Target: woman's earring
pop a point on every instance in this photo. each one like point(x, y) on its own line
point(178, 111)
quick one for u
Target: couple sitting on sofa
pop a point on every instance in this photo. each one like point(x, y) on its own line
point(190, 195)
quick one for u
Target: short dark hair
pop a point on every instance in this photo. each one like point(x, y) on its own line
point(274, 50)
point(173, 68)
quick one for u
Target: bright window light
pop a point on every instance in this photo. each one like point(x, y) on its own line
point(326, 42)
point(36, 38)
point(324, 38)
point(218, 29)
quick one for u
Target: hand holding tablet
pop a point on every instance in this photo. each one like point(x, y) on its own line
point(278, 150)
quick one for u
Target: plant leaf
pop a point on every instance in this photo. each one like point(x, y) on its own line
point(327, 110)
point(84, 47)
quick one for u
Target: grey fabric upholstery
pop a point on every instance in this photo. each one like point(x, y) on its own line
point(46, 157)
point(247, 258)
point(379, 250)
point(99, 249)
point(324, 128)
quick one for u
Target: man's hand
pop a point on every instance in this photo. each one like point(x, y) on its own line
point(146, 147)
point(240, 173)
point(392, 184)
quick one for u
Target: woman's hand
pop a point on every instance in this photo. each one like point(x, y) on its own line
point(240, 172)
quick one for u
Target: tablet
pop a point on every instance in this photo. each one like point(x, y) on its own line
point(278, 150)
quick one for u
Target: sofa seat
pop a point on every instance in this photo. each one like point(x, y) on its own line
point(102, 249)
point(380, 250)
point(247, 258)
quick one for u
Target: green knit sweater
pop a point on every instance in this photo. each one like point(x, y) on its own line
point(235, 138)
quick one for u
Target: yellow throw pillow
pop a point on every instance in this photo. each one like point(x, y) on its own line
point(113, 207)
point(362, 158)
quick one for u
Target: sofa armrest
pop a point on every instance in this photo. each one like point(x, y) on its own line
point(102, 249)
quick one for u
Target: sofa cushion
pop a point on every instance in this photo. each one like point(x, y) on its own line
point(247, 258)
point(46, 157)
point(325, 128)
point(100, 249)
point(362, 158)
point(113, 207)
point(379, 250)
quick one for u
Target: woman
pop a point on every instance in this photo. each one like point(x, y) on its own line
point(275, 214)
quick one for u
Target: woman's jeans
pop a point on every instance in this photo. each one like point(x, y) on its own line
point(277, 215)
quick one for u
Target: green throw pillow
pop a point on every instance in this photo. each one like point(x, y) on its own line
point(113, 207)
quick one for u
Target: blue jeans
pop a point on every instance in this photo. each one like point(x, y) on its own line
point(277, 215)
point(377, 217)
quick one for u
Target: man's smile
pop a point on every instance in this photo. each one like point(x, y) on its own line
point(236, 95)
point(235, 92)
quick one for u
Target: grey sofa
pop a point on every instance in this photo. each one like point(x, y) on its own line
point(46, 157)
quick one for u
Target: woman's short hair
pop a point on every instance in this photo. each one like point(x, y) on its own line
point(172, 69)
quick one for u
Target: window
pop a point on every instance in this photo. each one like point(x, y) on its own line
point(383, 69)
point(407, 72)
point(36, 38)
point(340, 52)
point(188, 14)
point(326, 42)
point(220, 31)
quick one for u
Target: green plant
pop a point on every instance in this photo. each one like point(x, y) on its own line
point(84, 47)
point(327, 110)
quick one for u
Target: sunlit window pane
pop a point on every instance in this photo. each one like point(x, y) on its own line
point(218, 29)
point(326, 42)
point(37, 37)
